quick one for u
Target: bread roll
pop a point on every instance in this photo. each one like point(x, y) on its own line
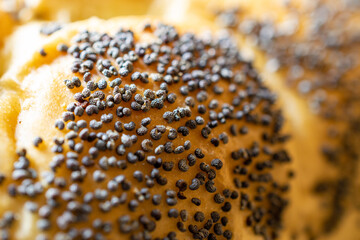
point(189, 144)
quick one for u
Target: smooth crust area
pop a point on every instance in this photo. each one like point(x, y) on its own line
point(68, 11)
point(7, 26)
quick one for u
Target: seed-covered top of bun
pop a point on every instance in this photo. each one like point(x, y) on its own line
point(168, 135)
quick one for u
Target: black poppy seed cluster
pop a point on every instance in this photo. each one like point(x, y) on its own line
point(134, 153)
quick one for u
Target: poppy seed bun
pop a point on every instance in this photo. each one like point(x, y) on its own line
point(191, 150)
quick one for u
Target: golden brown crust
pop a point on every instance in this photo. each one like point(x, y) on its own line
point(67, 11)
point(82, 9)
